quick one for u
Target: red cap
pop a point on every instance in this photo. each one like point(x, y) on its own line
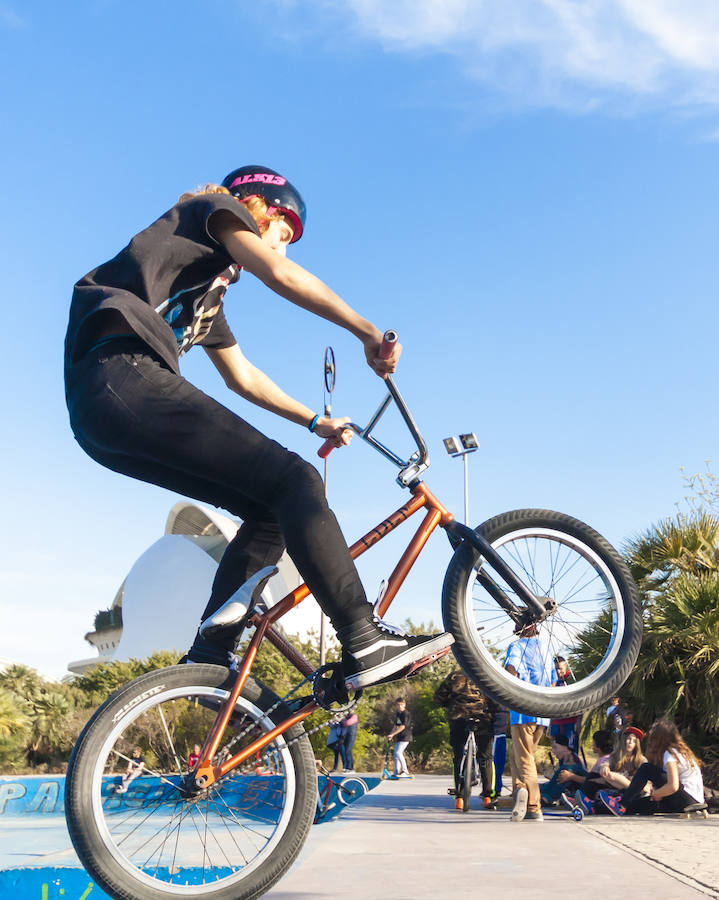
point(637, 732)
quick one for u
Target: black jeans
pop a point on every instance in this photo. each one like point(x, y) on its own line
point(643, 806)
point(458, 732)
point(134, 415)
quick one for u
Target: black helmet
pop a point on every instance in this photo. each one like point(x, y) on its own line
point(275, 190)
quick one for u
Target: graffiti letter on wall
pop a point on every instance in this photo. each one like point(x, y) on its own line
point(10, 792)
point(45, 800)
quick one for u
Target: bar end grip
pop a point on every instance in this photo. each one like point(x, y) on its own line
point(389, 339)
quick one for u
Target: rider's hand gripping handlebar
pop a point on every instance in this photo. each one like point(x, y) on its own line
point(389, 339)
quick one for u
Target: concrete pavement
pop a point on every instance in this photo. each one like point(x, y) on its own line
point(404, 841)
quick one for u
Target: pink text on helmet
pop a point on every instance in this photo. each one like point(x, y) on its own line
point(263, 177)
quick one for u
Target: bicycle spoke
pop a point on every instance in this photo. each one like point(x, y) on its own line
point(170, 742)
point(219, 832)
point(551, 568)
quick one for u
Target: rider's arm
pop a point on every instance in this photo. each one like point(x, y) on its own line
point(245, 379)
point(300, 287)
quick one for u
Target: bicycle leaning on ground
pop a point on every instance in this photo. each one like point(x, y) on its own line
point(222, 832)
point(345, 791)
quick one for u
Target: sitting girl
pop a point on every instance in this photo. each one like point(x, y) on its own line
point(614, 774)
point(602, 745)
point(673, 771)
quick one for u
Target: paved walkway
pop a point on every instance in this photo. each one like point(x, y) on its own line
point(404, 840)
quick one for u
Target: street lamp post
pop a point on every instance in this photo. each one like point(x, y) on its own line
point(329, 365)
point(466, 444)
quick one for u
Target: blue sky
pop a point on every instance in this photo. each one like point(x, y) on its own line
point(526, 191)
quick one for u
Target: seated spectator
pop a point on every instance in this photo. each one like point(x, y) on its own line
point(135, 768)
point(194, 757)
point(673, 771)
point(469, 710)
point(615, 774)
point(567, 759)
point(602, 745)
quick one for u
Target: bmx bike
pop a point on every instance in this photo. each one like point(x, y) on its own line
point(223, 832)
point(346, 790)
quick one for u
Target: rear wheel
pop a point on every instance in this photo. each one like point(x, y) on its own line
point(229, 842)
point(595, 624)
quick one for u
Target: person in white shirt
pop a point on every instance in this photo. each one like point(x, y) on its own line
point(673, 771)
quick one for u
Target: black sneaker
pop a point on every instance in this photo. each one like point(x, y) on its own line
point(374, 652)
point(204, 651)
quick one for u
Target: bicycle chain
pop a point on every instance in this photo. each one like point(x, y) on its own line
point(332, 714)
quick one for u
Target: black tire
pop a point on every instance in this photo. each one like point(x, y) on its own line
point(467, 774)
point(161, 712)
point(558, 557)
point(351, 789)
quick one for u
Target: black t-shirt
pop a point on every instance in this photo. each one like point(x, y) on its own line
point(403, 718)
point(168, 283)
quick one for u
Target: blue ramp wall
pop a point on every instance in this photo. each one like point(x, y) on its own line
point(41, 799)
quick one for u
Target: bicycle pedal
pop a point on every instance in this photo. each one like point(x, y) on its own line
point(459, 803)
point(426, 661)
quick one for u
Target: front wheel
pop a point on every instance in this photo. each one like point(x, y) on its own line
point(595, 625)
point(232, 841)
point(467, 774)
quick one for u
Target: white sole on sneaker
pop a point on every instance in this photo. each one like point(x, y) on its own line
point(411, 659)
point(519, 810)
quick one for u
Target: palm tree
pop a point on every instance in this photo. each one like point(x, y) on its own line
point(687, 544)
point(21, 680)
point(13, 718)
point(50, 734)
point(676, 564)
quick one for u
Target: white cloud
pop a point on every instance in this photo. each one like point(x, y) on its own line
point(9, 18)
point(559, 51)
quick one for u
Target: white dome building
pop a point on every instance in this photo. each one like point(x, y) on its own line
point(158, 605)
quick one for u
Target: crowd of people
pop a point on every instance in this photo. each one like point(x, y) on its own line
point(623, 779)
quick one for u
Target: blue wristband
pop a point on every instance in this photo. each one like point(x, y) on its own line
point(312, 424)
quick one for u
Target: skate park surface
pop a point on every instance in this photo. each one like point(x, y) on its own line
point(405, 839)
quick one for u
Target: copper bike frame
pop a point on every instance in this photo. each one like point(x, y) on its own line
point(205, 773)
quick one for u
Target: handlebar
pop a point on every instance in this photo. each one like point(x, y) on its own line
point(411, 468)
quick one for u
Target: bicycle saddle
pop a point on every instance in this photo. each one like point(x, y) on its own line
point(229, 620)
